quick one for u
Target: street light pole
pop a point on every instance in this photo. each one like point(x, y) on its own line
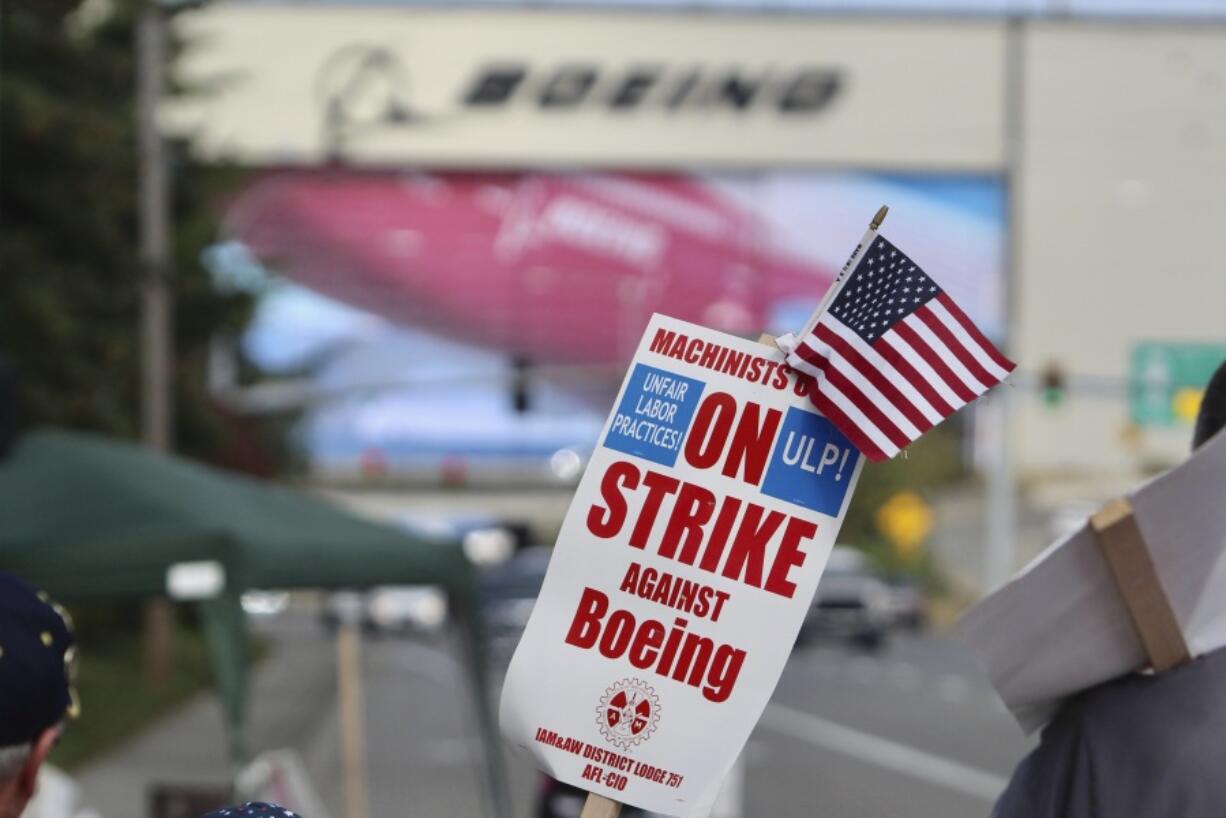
point(155, 320)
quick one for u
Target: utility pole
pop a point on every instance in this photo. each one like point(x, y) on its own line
point(155, 320)
point(1001, 501)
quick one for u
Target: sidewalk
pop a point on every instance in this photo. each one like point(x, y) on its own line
point(421, 749)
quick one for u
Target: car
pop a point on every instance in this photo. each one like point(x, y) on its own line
point(852, 604)
point(506, 594)
point(416, 610)
point(908, 605)
point(405, 609)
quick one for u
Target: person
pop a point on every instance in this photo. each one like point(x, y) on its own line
point(253, 809)
point(1141, 745)
point(37, 652)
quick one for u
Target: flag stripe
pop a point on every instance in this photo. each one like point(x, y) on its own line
point(918, 358)
point(875, 411)
point(986, 361)
point(958, 315)
point(853, 432)
point(880, 444)
point(798, 361)
point(950, 356)
point(879, 363)
point(903, 363)
point(904, 415)
point(985, 379)
point(933, 358)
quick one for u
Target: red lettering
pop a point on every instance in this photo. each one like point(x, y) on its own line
point(658, 486)
point(747, 557)
point(751, 443)
point(617, 634)
point(630, 582)
point(789, 556)
point(606, 522)
point(754, 373)
point(693, 509)
point(678, 350)
point(734, 362)
point(718, 538)
point(663, 341)
point(646, 645)
point(712, 423)
point(585, 627)
point(693, 350)
point(770, 367)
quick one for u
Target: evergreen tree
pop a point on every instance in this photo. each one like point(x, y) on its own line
point(69, 312)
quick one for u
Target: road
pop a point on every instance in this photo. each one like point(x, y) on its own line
point(912, 731)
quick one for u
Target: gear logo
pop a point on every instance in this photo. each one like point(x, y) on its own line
point(629, 712)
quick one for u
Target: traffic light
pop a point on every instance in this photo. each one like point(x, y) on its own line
point(521, 386)
point(1054, 385)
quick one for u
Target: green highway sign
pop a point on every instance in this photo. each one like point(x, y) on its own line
point(1167, 380)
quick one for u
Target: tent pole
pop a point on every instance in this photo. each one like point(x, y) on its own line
point(468, 618)
point(225, 631)
point(352, 717)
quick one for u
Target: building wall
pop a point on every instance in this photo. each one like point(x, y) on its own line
point(1122, 202)
point(1119, 192)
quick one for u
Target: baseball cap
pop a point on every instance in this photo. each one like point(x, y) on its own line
point(37, 660)
point(253, 809)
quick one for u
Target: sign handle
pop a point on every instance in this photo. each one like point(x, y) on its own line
point(597, 806)
point(1123, 548)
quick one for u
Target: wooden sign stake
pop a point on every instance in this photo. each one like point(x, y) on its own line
point(1124, 550)
point(597, 806)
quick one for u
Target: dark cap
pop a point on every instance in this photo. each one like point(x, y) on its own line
point(253, 809)
point(37, 651)
point(1212, 417)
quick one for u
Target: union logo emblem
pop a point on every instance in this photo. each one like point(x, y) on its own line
point(628, 713)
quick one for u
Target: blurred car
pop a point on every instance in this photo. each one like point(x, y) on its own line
point(409, 610)
point(405, 609)
point(397, 610)
point(852, 604)
point(907, 605)
point(264, 603)
point(507, 594)
point(342, 608)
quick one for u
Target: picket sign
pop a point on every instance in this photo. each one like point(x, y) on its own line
point(1127, 556)
point(597, 806)
point(682, 574)
point(683, 571)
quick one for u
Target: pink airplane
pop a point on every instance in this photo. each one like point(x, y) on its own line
point(559, 268)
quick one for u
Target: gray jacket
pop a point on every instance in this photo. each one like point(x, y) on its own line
point(1143, 746)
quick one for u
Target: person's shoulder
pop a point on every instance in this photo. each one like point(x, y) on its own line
point(1143, 704)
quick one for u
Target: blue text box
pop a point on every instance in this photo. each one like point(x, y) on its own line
point(654, 414)
point(812, 464)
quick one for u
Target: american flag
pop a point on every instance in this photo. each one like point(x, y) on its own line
point(893, 355)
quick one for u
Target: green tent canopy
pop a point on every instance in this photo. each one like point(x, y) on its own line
point(87, 516)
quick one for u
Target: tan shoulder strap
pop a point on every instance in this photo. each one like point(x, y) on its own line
point(1123, 547)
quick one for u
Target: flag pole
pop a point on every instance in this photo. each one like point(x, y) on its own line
point(845, 273)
